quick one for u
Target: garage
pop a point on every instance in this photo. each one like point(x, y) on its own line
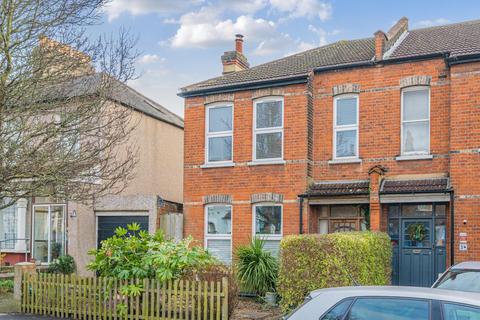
point(107, 225)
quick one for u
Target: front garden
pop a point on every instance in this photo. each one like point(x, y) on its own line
point(136, 270)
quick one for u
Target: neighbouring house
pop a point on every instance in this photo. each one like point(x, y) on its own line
point(380, 133)
point(55, 227)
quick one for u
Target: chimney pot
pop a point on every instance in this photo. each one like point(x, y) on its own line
point(239, 43)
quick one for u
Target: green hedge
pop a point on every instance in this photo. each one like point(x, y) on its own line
point(310, 262)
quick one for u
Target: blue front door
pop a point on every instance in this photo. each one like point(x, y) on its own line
point(418, 236)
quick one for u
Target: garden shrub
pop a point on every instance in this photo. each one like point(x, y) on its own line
point(135, 254)
point(6, 285)
point(310, 262)
point(257, 269)
point(63, 265)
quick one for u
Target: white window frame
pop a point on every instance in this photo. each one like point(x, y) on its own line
point(254, 217)
point(49, 206)
point(227, 236)
point(219, 134)
point(267, 130)
point(409, 89)
point(349, 127)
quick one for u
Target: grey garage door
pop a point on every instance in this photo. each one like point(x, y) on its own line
point(108, 224)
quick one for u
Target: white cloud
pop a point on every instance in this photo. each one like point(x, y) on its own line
point(205, 28)
point(303, 8)
point(116, 7)
point(150, 58)
point(434, 22)
point(272, 45)
point(244, 6)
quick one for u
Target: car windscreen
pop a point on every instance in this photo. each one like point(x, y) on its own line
point(462, 280)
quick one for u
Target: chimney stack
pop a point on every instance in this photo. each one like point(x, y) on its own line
point(239, 43)
point(234, 61)
point(384, 41)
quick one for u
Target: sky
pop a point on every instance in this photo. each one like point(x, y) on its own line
point(181, 41)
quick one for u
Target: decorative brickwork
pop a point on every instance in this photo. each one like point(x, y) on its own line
point(219, 98)
point(346, 88)
point(267, 197)
point(267, 92)
point(217, 198)
point(415, 81)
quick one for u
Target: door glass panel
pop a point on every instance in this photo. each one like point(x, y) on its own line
point(394, 210)
point(417, 210)
point(440, 233)
point(389, 308)
point(460, 312)
point(416, 234)
point(57, 231)
point(440, 210)
point(40, 233)
point(393, 230)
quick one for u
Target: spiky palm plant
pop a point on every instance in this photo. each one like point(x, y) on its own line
point(257, 269)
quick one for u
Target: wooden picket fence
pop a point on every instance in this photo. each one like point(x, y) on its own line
point(102, 298)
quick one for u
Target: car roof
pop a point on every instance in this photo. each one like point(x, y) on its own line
point(467, 265)
point(407, 292)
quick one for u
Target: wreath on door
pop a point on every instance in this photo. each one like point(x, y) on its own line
point(417, 232)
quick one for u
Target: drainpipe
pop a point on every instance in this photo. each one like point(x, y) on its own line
point(301, 216)
point(452, 228)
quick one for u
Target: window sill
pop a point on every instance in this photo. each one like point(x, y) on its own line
point(414, 157)
point(15, 251)
point(217, 165)
point(345, 161)
point(264, 163)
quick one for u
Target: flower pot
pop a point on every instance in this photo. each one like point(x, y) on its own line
point(271, 298)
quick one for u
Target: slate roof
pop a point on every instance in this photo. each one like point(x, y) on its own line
point(415, 186)
point(339, 188)
point(455, 39)
point(118, 92)
point(337, 53)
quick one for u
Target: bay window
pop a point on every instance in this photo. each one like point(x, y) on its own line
point(415, 121)
point(268, 129)
point(268, 225)
point(218, 231)
point(219, 133)
point(345, 127)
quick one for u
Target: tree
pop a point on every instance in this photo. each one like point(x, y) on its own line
point(60, 134)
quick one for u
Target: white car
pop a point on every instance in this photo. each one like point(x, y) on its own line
point(388, 303)
point(464, 276)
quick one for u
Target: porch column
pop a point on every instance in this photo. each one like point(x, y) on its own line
point(375, 174)
point(21, 225)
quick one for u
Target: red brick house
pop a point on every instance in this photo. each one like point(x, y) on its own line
point(380, 133)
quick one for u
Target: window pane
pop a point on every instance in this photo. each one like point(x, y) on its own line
point(417, 210)
point(219, 220)
point(415, 105)
point(40, 233)
point(268, 220)
point(463, 280)
point(416, 136)
point(220, 249)
point(8, 227)
point(269, 114)
point(338, 312)
point(346, 111)
point(346, 143)
point(389, 308)
point(220, 119)
point(460, 312)
point(344, 211)
point(323, 226)
point(57, 232)
point(416, 234)
point(220, 148)
point(269, 145)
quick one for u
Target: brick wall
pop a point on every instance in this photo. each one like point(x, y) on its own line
point(454, 118)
